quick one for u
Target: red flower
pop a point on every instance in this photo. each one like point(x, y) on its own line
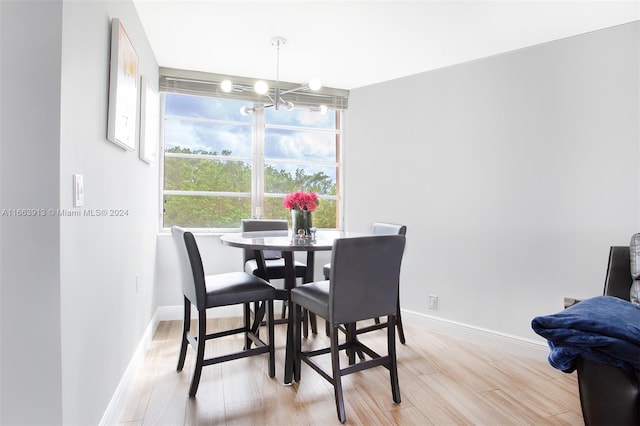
point(301, 200)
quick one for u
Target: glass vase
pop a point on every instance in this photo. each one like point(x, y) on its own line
point(301, 219)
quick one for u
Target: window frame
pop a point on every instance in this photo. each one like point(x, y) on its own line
point(257, 160)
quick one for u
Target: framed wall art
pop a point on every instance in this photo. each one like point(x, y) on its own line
point(149, 121)
point(123, 89)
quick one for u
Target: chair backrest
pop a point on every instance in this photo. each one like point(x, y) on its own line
point(191, 269)
point(618, 279)
point(251, 225)
point(365, 274)
point(380, 228)
point(634, 251)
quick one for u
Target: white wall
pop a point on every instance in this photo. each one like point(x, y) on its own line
point(76, 291)
point(514, 174)
point(107, 263)
point(30, 35)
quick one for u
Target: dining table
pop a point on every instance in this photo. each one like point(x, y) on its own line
point(287, 243)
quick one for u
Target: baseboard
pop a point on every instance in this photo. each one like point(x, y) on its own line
point(502, 341)
point(119, 398)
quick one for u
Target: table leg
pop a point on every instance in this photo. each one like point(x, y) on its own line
point(308, 278)
point(311, 259)
point(262, 273)
point(289, 282)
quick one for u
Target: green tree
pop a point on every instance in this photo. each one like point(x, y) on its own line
point(213, 174)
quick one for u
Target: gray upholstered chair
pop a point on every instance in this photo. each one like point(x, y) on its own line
point(274, 262)
point(273, 259)
point(211, 291)
point(378, 228)
point(363, 284)
point(608, 395)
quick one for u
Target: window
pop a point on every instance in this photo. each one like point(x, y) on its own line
point(221, 166)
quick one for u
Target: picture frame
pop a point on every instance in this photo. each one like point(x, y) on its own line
point(123, 89)
point(149, 121)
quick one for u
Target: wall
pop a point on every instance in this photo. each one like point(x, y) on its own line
point(514, 174)
point(30, 46)
point(76, 291)
point(107, 263)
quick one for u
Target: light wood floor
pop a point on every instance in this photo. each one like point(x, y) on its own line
point(443, 381)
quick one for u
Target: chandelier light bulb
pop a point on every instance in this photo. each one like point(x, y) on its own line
point(278, 96)
point(226, 86)
point(315, 84)
point(261, 87)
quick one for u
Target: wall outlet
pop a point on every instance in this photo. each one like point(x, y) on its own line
point(433, 302)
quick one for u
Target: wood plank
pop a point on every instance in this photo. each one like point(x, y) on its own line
point(442, 381)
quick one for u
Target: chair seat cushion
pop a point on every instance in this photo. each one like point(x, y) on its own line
point(313, 296)
point(275, 268)
point(236, 287)
point(272, 254)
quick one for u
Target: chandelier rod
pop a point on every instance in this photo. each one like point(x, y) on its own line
point(277, 41)
point(277, 100)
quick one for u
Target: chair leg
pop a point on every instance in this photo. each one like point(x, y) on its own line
point(337, 378)
point(305, 323)
point(202, 339)
point(313, 320)
point(186, 325)
point(399, 324)
point(393, 367)
point(272, 342)
point(309, 320)
point(247, 326)
point(351, 337)
point(297, 342)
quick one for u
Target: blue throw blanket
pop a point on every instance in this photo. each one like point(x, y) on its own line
point(603, 329)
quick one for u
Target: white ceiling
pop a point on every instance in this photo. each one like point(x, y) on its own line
point(350, 44)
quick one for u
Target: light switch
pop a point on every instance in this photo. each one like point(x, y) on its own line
point(78, 191)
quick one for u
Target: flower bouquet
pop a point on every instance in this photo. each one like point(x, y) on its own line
point(301, 205)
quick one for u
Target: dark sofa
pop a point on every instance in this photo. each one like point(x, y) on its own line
point(608, 395)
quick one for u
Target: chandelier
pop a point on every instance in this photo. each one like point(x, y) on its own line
point(276, 98)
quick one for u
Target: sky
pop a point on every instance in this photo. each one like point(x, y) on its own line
point(292, 138)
